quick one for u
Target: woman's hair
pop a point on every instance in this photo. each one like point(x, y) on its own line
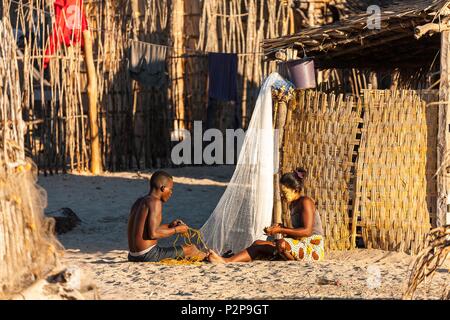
point(294, 180)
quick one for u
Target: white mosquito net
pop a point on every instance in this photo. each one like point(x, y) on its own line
point(245, 208)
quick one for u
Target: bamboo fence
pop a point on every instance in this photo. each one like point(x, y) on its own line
point(370, 163)
point(28, 249)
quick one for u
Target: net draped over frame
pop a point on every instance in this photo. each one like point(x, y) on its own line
point(245, 208)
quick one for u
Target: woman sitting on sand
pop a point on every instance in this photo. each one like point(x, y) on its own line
point(302, 242)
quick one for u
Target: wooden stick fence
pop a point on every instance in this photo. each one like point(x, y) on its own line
point(135, 122)
point(58, 136)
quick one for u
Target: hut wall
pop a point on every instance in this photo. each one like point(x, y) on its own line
point(391, 171)
point(354, 81)
point(321, 134)
point(28, 249)
point(371, 164)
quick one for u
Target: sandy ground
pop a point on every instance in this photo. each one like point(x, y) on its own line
point(99, 247)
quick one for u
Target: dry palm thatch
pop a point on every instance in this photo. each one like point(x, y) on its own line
point(28, 249)
point(431, 258)
point(352, 42)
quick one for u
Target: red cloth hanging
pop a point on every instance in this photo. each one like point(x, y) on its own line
point(70, 22)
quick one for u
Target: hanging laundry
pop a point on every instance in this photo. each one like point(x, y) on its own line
point(68, 27)
point(148, 64)
point(222, 69)
point(222, 72)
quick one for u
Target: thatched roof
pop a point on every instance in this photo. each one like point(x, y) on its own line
point(359, 6)
point(349, 43)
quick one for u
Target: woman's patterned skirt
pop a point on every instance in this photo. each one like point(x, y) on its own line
point(307, 248)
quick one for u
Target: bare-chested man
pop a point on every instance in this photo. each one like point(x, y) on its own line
point(145, 228)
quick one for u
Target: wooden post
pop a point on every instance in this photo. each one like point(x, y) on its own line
point(136, 15)
point(374, 80)
point(443, 143)
point(395, 79)
point(96, 164)
point(133, 83)
point(311, 13)
point(280, 122)
point(248, 66)
point(177, 63)
point(291, 20)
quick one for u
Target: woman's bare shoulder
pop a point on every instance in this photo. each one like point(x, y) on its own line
point(306, 200)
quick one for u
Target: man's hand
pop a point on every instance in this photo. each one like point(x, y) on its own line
point(182, 229)
point(176, 222)
point(272, 230)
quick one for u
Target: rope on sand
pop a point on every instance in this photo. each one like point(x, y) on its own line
point(192, 237)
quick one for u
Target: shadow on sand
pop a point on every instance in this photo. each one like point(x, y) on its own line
point(103, 203)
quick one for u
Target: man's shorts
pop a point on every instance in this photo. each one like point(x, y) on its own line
point(158, 253)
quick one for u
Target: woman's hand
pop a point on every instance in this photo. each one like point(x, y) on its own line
point(273, 229)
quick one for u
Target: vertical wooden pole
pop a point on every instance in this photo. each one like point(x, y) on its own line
point(291, 20)
point(96, 166)
point(176, 63)
point(136, 15)
point(134, 85)
point(248, 66)
point(443, 143)
point(374, 80)
point(311, 13)
point(280, 122)
point(395, 75)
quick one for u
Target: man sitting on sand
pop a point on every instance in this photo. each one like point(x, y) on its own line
point(145, 228)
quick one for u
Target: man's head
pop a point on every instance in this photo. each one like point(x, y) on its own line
point(162, 183)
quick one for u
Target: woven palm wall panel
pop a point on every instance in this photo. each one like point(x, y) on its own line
point(391, 171)
point(371, 162)
point(321, 135)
